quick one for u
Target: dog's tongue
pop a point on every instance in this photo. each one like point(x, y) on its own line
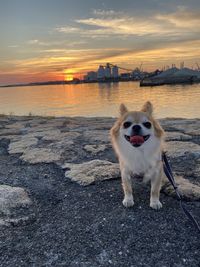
point(137, 139)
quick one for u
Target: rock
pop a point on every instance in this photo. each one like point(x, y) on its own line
point(16, 125)
point(41, 155)
point(99, 123)
point(21, 145)
point(64, 145)
point(16, 208)
point(191, 128)
point(177, 149)
point(41, 128)
point(95, 149)
point(55, 122)
point(177, 136)
point(101, 136)
point(4, 118)
point(187, 126)
point(67, 136)
point(192, 131)
point(41, 133)
point(11, 131)
point(188, 190)
point(13, 138)
point(89, 172)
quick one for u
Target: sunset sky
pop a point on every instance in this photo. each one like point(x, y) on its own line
point(45, 40)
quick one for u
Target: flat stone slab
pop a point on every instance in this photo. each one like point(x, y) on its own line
point(89, 172)
point(11, 131)
point(67, 136)
point(21, 145)
point(101, 136)
point(95, 149)
point(52, 133)
point(186, 126)
point(40, 155)
point(188, 190)
point(16, 125)
point(177, 136)
point(16, 208)
point(177, 149)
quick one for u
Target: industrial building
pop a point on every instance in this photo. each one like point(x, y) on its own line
point(107, 71)
point(91, 76)
point(103, 73)
point(115, 72)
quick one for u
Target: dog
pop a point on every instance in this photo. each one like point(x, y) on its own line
point(137, 139)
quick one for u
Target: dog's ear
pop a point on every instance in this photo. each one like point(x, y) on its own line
point(148, 108)
point(123, 109)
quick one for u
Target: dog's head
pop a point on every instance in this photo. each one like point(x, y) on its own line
point(137, 127)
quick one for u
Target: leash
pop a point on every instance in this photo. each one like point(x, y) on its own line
point(169, 174)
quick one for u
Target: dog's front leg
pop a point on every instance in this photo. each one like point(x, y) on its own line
point(127, 187)
point(155, 189)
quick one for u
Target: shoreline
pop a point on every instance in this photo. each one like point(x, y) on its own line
point(65, 83)
point(32, 116)
point(147, 82)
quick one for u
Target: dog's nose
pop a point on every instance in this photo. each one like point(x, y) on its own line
point(136, 128)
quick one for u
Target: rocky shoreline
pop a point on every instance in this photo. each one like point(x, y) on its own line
point(50, 216)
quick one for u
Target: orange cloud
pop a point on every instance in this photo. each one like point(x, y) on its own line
point(83, 60)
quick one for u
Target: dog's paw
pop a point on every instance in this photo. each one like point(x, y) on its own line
point(128, 202)
point(155, 204)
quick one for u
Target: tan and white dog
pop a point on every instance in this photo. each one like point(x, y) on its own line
point(137, 139)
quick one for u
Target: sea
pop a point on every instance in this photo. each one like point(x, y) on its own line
point(100, 99)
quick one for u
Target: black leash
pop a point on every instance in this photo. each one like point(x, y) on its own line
point(169, 174)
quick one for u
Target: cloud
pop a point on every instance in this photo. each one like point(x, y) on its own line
point(37, 42)
point(54, 65)
point(160, 24)
point(82, 60)
point(67, 29)
point(33, 41)
point(101, 12)
point(13, 46)
point(182, 18)
point(163, 38)
point(76, 43)
point(109, 27)
point(109, 23)
point(121, 26)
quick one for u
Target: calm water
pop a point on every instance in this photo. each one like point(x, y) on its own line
point(100, 99)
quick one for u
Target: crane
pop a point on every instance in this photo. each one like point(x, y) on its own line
point(197, 66)
point(121, 68)
point(140, 68)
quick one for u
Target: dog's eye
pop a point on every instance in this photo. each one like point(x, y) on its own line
point(147, 124)
point(127, 124)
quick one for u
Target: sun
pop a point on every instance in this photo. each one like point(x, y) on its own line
point(68, 75)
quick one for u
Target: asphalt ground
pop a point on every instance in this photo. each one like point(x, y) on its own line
point(89, 227)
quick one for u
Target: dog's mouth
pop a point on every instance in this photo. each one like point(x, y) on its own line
point(137, 140)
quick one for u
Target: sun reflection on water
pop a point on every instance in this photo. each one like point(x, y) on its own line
point(100, 99)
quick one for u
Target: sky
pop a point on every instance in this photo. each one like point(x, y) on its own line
point(44, 40)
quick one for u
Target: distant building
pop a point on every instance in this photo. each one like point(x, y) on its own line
point(91, 76)
point(125, 76)
point(101, 73)
point(136, 74)
point(115, 72)
point(107, 71)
